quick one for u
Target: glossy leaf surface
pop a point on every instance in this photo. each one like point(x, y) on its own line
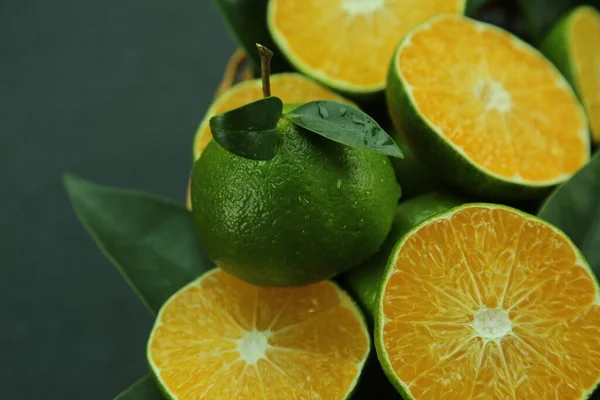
point(153, 242)
point(144, 389)
point(344, 124)
point(575, 208)
point(250, 131)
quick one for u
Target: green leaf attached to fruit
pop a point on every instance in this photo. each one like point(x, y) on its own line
point(344, 124)
point(144, 389)
point(575, 208)
point(153, 242)
point(250, 131)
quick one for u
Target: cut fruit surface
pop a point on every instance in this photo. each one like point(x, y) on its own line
point(364, 281)
point(488, 120)
point(348, 44)
point(289, 87)
point(221, 338)
point(484, 301)
point(573, 46)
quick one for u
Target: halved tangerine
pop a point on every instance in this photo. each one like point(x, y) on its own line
point(348, 44)
point(221, 338)
point(487, 302)
point(485, 110)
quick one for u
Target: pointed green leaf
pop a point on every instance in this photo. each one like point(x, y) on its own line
point(541, 15)
point(251, 130)
point(246, 21)
point(502, 13)
point(144, 389)
point(344, 124)
point(575, 208)
point(153, 242)
point(473, 6)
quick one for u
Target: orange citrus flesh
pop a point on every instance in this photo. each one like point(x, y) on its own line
point(348, 44)
point(221, 338)
point(289, 87)
point(509, 111)
point(488, 303)
point(585, 39)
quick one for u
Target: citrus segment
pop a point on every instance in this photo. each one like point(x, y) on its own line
point(226, 293)
point(348, 44)
point(545, 253)
point(488, 249)
point(312, 375)
point(489, 113)
point(414, 341)
point(532, 376)
point(289, 87)
point(314, 301)
point(456, 368)
point(322, 334)
point(363, 281)
point(492, 368)
point(540, 303)
point(435, 246)
point(510, 311)
point(567, 354)
point(221, 338)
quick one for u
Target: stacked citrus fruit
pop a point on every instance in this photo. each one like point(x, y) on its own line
point(297, 195)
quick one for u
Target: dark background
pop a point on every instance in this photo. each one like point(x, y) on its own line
point(113, 91)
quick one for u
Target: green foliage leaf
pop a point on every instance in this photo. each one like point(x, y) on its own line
point(250, 131)
point(344, 124)
point(246, 21)
point(575, 208)
point(502, 13)
point(144, 389)
point(541, 15)
point(473, 6)
point(153, 242)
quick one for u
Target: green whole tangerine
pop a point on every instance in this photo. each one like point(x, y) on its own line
point(315, 210)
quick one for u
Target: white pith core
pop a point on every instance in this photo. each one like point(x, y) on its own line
point(492, 323)
point(253, 346)
point(355, 7)
point(493, 95)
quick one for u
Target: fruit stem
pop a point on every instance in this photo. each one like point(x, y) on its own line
point(265, 68)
